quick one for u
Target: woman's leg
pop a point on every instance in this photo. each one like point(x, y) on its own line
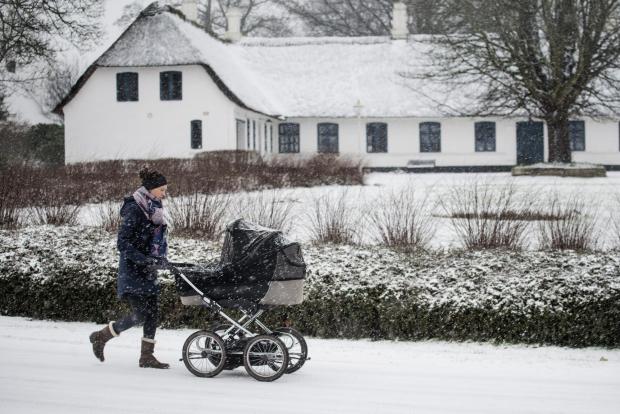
point(147, 359)
point(140, 312)
point(151, 316)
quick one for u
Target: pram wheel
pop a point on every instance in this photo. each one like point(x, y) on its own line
point(204, 354)
point(295, 345)
point(265, 358)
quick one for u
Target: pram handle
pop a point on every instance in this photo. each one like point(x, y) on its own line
point(173, 267)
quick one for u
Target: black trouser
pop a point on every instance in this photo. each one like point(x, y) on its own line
point(144, 311)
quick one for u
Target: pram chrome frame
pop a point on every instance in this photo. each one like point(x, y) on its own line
point(219, 310)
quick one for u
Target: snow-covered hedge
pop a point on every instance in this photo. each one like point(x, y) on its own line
point(562, 298)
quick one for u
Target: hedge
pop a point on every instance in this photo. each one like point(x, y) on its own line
point(559, 298)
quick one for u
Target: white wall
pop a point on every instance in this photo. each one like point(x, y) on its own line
point(602, 143)
point(457, 141)
point(97, 127)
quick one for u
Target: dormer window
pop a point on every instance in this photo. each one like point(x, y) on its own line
point(171, 86)
point(126, 86)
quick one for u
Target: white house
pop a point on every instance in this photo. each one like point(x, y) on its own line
point(167, 88)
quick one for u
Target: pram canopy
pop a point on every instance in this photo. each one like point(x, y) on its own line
point(257, 264)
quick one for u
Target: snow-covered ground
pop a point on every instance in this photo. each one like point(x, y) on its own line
point(598, 194)
point(48, 367)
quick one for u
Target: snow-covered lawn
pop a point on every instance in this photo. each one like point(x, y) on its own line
point(48, 367)
point(600, 194)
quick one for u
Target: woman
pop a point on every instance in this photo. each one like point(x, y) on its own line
point(142, 246)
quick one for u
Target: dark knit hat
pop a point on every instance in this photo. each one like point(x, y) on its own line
point(151, 178)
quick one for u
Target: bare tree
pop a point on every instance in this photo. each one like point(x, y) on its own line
point(32, 30)
point(367, 17)
point(342, 17)
point(130, 12)
point(258, 18)
point(56, 84)
point(4, 111)
point(550, 59)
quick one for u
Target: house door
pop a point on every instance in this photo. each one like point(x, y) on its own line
point(241, 135)
point(530, 143)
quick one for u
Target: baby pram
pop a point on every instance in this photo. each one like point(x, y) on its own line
point(259, 269)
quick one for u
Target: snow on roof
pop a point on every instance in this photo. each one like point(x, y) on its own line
point(160, 38)
point(293, 77)
point(327, 77)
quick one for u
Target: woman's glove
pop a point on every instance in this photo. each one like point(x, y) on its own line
point(156, 263)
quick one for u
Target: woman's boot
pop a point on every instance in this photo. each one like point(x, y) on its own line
point(99, 338)
point(147, 360)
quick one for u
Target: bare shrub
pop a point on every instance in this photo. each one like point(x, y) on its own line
point(614, 218)
point(576, 227)
point(319, 169)
point(212, 172)
point(54, 212)
point(109, 214)
point(484, 216)
point(403, 220)
point(14, 180)
point(199, 215)
point(330, 219)
point(267, 208)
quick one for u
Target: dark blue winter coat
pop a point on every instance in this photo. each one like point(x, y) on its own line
point(134, 240)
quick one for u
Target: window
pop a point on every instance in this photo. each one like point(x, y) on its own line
point(248, 131)
point(430, 137)
point(196, 134)
point(253, 135)
point(376, 137)
point(11, 66)
point(328, 138)
point(485, 136)
point(577, 135)
point(288, 138)
point(265, 138)
point(126, 87)
point(171, 86)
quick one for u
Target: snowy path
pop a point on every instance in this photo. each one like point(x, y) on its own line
point(47, 367)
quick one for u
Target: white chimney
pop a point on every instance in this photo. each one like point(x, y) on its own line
point(399, 21)
point(190, 9)
point(233, 18)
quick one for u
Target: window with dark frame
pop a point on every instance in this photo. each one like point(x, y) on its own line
point(249, 132)
point(171, 86)
point(196, 134)
point(376, 137)
point(253, 135)
point(430, 137)
point(327, 138)
point(127, 87)
point(288, 138)
point(577, 135)
point(11, 66)
point(485, 136)
point(265, 138)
